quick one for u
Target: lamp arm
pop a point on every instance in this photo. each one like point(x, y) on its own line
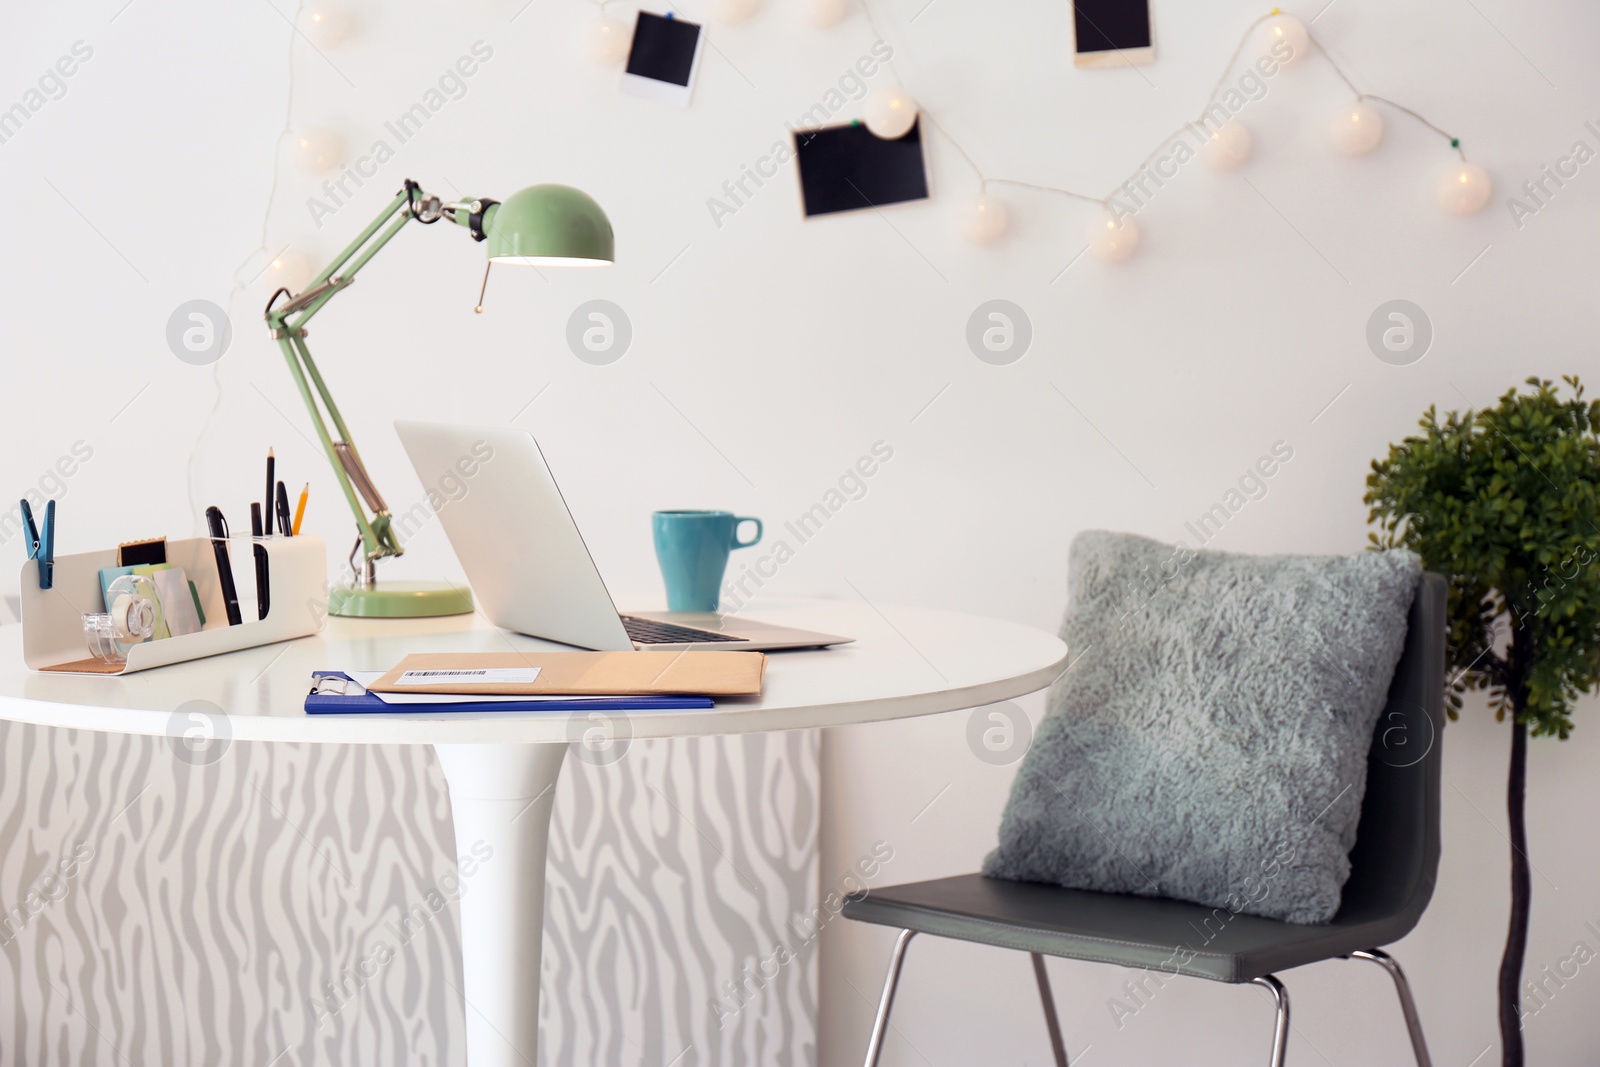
point(286, 324)
point(404, 198)
point(372, 544)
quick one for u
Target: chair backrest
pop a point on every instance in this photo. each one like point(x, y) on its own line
point(1396, 856)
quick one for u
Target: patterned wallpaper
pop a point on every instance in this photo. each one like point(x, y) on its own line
point(296, 905)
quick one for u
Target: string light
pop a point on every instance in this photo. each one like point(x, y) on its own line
point(984, 219)
point(733, 12)
point(1464, 188)
point(607, 39)
point(1290, 31)
point(1228, 146)
point(317, 151)
point(1113, 240)
point(327, 26)
point(290, 269)
point(821, 14)
point(1357, 129)
point(889, 112)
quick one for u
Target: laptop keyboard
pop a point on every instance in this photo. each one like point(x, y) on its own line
point(653, 632)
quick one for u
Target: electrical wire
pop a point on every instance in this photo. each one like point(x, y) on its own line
point(985, 180)
point(241, 284)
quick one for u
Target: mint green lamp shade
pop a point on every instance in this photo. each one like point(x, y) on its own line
point(549, 226)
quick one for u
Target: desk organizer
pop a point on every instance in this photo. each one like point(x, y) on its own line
point(52, 619)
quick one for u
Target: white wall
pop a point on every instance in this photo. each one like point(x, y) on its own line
point(769, 353)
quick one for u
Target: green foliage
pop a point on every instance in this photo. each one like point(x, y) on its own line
point(1505, 503)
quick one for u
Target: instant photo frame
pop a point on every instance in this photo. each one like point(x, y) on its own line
point(664, 58)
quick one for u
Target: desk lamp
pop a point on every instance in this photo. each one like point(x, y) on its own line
point(543, 225)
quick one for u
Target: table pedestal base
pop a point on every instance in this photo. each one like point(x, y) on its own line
point(501, 797)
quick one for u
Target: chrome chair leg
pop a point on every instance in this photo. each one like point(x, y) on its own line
point(1408, 1006)
point(880, 1025)
point(1280, 1035)
point(1051, 1021)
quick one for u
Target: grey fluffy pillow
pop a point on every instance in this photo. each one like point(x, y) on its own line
point(1209, 742)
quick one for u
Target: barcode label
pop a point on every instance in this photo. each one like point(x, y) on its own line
point(496, 675)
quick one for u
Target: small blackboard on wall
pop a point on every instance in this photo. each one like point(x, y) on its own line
point(1111, 33)
point(847, 168)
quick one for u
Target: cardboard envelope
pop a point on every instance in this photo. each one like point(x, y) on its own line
point(577, 673)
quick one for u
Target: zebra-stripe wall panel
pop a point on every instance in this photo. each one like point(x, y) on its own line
point(297, 905)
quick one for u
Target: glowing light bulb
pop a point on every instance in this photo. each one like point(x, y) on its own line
point(327, 25)
point(733, 12)
point(1465, 188)
point(1357, 129)
point(984, 220)
point(1228, 146)
point(317, 151)
point(1113, 240)
point(607, 40)
point(1287, 39)
point(889, 112)
point(290, 269)
point(821, 14)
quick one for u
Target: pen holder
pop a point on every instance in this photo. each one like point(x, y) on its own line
point(52, 619)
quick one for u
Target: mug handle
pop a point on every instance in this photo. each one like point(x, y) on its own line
point(740, 521)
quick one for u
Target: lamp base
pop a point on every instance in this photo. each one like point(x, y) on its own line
point(400, 600)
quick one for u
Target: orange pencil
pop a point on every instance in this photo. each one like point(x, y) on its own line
point(300, 509)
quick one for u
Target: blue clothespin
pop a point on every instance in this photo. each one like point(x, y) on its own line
point(42, 544)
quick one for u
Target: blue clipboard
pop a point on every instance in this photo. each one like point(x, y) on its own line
point(326, 698)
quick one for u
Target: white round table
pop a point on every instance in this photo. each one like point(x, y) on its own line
point(502, 768)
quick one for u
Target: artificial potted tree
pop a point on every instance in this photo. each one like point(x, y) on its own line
point(1505, 502)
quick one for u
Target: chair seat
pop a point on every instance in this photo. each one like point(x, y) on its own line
point(1166, 936)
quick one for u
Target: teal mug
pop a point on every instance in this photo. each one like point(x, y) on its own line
point(692, 548)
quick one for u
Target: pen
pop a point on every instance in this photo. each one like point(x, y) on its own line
point(263, 596)
point(300, 509)
point(218, 527)
point(284, 526)
point(272, 481)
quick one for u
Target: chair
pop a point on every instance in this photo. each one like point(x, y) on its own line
point(1392, 872)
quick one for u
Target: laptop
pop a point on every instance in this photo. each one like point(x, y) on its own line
point(527, 562)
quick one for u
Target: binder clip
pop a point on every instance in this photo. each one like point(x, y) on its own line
point(42, 546)
point(335, 685)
